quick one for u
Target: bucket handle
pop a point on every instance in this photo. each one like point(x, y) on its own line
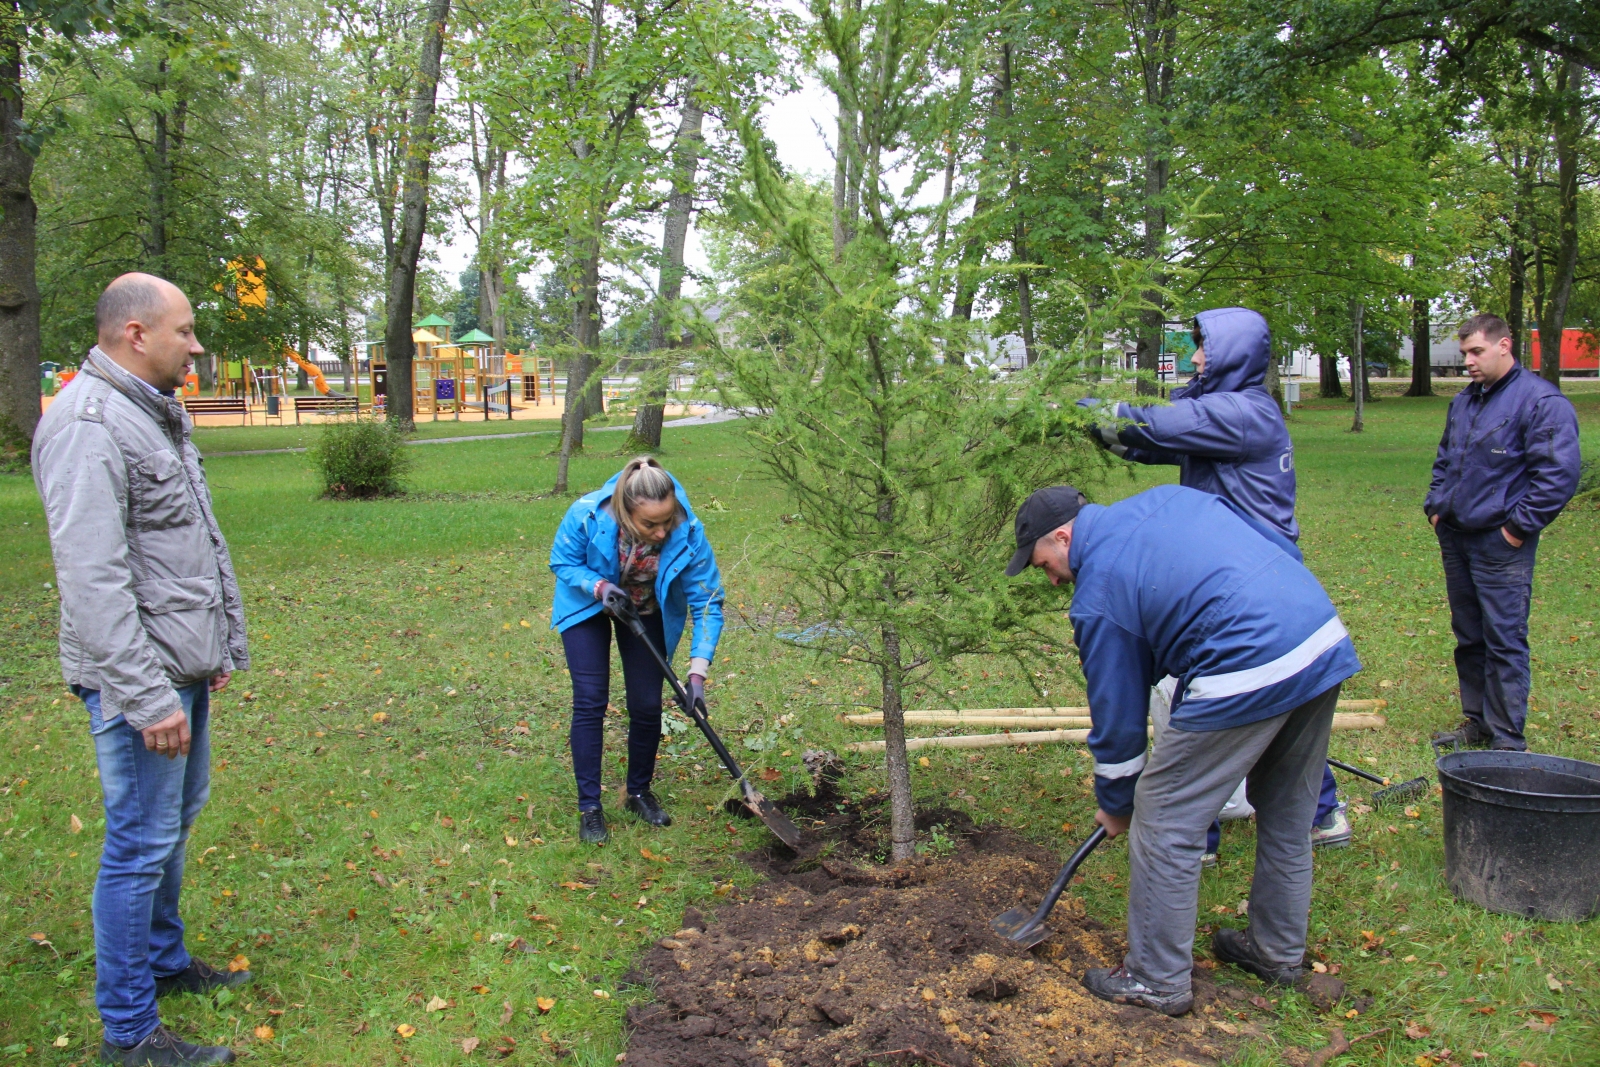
point(1438, 743)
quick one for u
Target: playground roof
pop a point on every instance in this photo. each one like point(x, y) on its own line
point(434, 320)
point(474, 337)
point(426, 337)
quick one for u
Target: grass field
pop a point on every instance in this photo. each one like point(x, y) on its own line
point(392, 806)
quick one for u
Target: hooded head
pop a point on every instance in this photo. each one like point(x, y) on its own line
point(1238, 345)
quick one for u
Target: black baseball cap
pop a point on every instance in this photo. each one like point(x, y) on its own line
point(1046, 510)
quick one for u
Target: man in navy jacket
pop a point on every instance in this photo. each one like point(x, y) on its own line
point(1508, 463)
point(1175, 581)
point(1227, 437)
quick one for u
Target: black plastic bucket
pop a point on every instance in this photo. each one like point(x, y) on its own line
point(1522, 833)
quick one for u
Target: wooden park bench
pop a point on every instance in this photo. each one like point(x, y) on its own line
point(219, 405)
point(326, 405)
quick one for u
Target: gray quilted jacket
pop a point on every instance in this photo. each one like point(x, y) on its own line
point(149, 601)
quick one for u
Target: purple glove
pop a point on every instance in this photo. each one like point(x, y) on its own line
point(615, 600)
point(697, 690)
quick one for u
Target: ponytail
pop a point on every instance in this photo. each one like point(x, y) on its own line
point(642, 479)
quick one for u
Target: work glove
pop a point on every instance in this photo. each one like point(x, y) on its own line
point(1104, 433)
point(613, 599)
point(697, 690)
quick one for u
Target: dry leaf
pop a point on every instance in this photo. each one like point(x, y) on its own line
point(62, 1042)
point(380, 716)
point(602, 994)
point(481, 990)
point(237, 964)
point(75, 825)
point(1552, 983)
point(578, 885)
point(505, 1015)
point(545, 1004)
point(511, 842)
point(1319, 967)
point(468, 1044)
point(264, 1032)
point(406, 1030)
point(437, 1004)
point(1540, 1026)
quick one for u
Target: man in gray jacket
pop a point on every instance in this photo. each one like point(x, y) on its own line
point(151, 625)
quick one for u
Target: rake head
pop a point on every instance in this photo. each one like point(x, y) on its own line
point(1416, 787)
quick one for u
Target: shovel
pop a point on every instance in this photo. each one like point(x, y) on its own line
point(1027, 928)
point(759, 806)
point(1416, 787)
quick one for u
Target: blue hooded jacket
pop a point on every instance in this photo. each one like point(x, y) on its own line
point(1509, 456)
point(1175, 581)
point(688, 584)
point(1224, 430)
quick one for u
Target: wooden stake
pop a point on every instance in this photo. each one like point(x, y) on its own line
point(1341, 723)
point(1067, 717)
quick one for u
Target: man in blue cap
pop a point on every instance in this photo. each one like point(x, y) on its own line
point(1259, 655)
point(1227, 437)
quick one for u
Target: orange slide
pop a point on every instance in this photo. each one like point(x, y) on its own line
point(311, 370)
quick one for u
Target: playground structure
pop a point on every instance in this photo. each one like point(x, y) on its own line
point(452, 376)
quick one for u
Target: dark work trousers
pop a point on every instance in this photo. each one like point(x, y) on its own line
point(1490, 585)
point(588, 647)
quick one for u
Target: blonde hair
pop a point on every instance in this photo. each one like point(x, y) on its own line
point(642, 479)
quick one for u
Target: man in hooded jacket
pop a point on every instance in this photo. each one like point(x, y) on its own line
point(1225, 434)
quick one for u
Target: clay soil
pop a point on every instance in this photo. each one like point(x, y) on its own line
point(834, 961)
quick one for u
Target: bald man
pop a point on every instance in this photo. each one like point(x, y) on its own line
point(151, 625)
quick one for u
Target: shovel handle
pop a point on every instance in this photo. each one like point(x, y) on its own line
point(1059, 886)
point(694, 709)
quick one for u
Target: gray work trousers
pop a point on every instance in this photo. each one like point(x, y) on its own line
point(1188, 778)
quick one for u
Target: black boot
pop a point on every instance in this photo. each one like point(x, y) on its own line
point(1120, 987)
point(163, 1049)
point(1233, 946)
point(199, 977)
point(647, 807)
point(592, 827)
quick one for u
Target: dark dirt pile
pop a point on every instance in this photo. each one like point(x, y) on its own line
point(833, 963)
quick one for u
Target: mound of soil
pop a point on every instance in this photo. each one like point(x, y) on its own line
point(835, 963)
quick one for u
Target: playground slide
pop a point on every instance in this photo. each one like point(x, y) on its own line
point(317, 380)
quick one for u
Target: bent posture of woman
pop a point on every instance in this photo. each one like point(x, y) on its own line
point(633, 541)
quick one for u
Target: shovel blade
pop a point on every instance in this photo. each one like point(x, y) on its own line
point(1404, 791)
point(1012, 926)
point(770, 814)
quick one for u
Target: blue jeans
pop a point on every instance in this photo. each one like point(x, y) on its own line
point(1490, 587)
point(151, 801)
point(588, 648)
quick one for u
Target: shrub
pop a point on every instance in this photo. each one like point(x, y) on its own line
point(360, 458)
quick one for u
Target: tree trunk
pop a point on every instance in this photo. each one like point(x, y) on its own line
point(646, 433)
point(1328, 373)
point(1019, 229)
point(583, 362)
point(902, 816)
point(1421, 347)
point(398, 346)
point(1358, 367)
point(1517, 266)
point(1155, 38)
point(19, 289)
point(160, 181)
point(1568, 125)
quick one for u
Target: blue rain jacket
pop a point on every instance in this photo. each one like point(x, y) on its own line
point(1509, 456)
point(688, 584)
point(1176, 581)
point(1223, 430)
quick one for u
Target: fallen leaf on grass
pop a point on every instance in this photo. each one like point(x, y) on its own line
point(505, 1015)
point(437, 1004)
point(602, 994)
point(406, 1030)
point(1540, 1026)
point(545, 1004)
point(75, 825)
point(264, 1033)
point(511, 842)
point(237, 964)
point(62, 1042)
point(468, 1044)
point(505, 1046)
point(1553, 983)
point(481, 990)
point(380, 716)
point(579, 885)
point(1319, 967)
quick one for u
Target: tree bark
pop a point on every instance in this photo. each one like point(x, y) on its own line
point(1019, 229)
point(1517, 267)
point(19, 288)
point(1567, 120)
point(1421, 346)
point(1328, 377)
point(160, 182)
point(1358, 367)
point(398, 346)
point(646, 433)
point(583, 361)
point(902, 816)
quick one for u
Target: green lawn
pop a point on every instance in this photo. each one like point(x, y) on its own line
point(391, 802)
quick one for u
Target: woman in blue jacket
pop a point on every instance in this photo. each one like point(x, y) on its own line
point(633, 540)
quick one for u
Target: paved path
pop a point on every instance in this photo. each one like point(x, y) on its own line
point(719, 415)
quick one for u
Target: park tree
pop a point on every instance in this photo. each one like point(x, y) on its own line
point(905, 467)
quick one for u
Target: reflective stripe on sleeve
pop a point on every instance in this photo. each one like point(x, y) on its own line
point(1285, 666)
point(1120, 770)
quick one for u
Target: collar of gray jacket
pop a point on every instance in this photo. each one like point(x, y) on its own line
point(164, 408)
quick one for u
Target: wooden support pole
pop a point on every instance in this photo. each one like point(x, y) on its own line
point(1064, 717)
point(1342, 722)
